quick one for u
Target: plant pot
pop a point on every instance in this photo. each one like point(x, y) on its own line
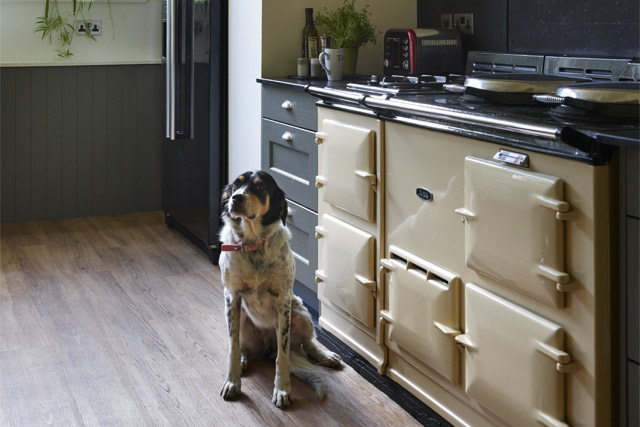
point(350, 60)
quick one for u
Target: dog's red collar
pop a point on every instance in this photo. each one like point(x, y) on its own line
point(241, 247)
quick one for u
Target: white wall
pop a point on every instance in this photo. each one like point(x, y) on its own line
point(134, 37)
point(245, 55)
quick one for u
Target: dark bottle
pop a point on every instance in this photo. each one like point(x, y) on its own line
point(309, 37)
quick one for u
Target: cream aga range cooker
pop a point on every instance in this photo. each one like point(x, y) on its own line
point(465, 230)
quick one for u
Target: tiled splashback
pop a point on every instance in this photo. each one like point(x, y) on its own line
point(590, 27)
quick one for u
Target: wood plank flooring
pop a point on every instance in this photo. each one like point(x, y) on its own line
point(119, 321)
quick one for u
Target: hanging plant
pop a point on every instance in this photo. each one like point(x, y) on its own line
point(58, 23)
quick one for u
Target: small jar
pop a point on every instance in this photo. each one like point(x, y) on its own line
point(303, 67)
point(316, 69)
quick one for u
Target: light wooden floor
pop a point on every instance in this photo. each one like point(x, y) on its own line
point(119, 321)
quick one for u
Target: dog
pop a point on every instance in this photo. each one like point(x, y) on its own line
point(264, 317)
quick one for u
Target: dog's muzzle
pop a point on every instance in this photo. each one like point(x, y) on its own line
point(237, 205)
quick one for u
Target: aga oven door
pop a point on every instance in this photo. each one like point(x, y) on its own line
point(347, 174)
point(422, 317)
point(514, 228)
point(514, 360)
point(347, 275)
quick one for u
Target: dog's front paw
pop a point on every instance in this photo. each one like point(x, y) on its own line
point(230, 389)
point(281, 398)
point(330, 359)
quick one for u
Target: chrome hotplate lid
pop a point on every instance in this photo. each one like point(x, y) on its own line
point(607, 92)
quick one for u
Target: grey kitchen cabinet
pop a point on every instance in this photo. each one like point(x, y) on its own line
point(289, 153)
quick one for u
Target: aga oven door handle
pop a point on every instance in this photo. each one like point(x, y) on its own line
point(562, 208)
point(465, 213)
point(464, 342)
point(447, 330)
point(371, 177)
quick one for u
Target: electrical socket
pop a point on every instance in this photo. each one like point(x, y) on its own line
point(446, 20)
point(89, 26)
point(463, 22)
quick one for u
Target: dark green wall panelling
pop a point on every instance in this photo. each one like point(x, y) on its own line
point(80, 141)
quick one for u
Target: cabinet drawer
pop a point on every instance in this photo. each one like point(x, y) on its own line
point(302, 223)
point(289, 106)
point(290, 154)
point(348, 269)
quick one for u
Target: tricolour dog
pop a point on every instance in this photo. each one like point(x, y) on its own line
point(264, 317)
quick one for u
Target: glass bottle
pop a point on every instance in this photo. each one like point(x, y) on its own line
point(309, 36)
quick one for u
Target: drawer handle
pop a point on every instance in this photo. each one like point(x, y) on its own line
point(320, 181)
point(320, 232)
point(287, 105)
point(287, 136)
point(289, 212)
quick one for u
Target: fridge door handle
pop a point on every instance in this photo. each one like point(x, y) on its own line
point(192, 64)
point(170, 72)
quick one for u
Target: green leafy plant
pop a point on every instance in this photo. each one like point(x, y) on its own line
point(347, 26)
point(57, 23)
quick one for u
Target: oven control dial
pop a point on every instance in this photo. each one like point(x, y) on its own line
point(405, 64)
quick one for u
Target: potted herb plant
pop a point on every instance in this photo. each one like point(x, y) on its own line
point(348, 28)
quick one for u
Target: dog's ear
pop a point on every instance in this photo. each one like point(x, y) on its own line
point(284, 209)
point(277, 207)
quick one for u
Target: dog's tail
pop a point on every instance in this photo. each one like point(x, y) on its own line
point(308, 372)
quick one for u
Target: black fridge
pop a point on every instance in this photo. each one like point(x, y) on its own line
point(195, 147)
